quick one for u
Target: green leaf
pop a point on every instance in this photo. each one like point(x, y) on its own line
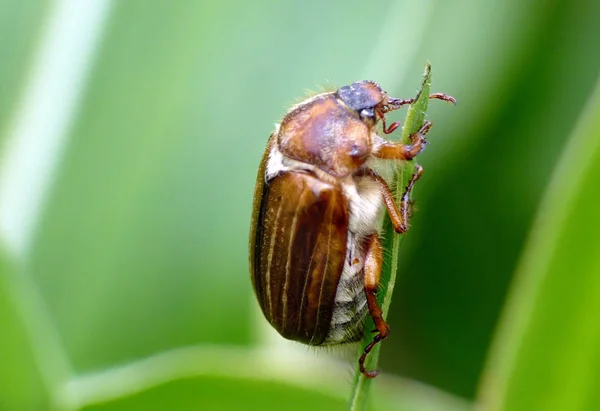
point(218, 393)
point(415, 117)
point(546, 355)
point(21, 385)
point(20, 26)
point(268, 372)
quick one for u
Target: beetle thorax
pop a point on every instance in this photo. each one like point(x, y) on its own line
point(325, 133)
point(365, 204)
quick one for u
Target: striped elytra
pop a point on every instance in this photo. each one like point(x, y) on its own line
point(302, 238)
point(315, 253)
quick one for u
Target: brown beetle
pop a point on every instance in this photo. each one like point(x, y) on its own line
point(315, 252)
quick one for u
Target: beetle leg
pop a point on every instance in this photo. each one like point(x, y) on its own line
point(398, 215)
point(391, 150)
point(373, 266)
point(443, 97)
point(374, 259)
point(405, 202)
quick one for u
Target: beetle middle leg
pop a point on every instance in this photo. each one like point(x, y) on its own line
point(405, 201)
point(372, 270)
point(399, 216)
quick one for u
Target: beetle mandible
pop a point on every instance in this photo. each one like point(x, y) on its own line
point(315, 251)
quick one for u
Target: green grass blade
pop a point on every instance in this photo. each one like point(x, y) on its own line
point(546, 355)
point(415, 117)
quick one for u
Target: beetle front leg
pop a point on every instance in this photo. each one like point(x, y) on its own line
point(372, 270)
point(390, 150)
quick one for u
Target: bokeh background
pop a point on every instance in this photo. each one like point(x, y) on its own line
point(130, 134)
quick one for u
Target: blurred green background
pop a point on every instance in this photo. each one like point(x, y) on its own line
point(130, 134)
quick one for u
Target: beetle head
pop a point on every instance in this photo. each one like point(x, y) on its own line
point(364, 97)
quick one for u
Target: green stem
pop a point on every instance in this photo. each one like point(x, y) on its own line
point(415, 117)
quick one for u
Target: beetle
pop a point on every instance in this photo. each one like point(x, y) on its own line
point(315, 250)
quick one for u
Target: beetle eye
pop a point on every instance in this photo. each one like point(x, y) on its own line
point(367, 112)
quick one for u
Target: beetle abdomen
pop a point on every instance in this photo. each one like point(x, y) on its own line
point(300, 249)
point(350, 308)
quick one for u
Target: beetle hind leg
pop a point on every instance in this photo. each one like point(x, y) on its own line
point(372, 270)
